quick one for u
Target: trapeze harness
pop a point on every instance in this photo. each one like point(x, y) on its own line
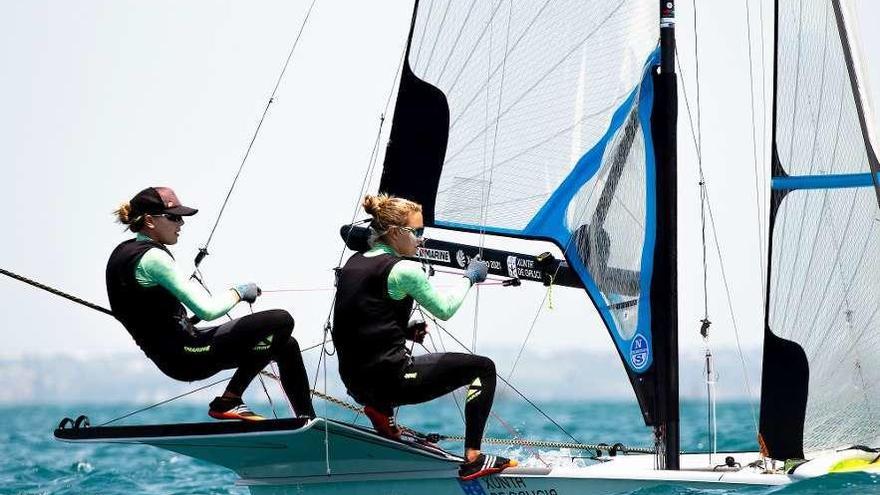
point(145, 291)
point(375, 295)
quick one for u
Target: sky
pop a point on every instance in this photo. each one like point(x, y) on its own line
point(102, 98)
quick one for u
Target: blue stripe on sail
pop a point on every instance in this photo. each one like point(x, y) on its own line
point(829, 181)
point(550, 221)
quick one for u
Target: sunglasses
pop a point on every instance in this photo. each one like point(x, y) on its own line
point(171, 217)
point(417, 232)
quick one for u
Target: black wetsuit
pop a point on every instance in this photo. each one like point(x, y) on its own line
point(158, 323)
point(369, 332)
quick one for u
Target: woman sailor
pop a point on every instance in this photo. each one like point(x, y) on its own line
point(374, 302)
point(148, 291)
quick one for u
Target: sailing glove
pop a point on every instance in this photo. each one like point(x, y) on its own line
point(248, 292)
point(416, 330)
point(476, 271)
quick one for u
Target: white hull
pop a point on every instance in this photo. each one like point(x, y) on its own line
point(623, 474)
point(290, 457)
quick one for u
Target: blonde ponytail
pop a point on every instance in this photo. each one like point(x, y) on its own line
point(122, 213)
point(388, 210)
point(123, 216)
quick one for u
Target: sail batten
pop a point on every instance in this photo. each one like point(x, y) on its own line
point(826, 181)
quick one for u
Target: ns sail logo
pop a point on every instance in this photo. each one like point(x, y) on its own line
point(639, 352)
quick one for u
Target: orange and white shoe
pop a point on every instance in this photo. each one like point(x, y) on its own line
point(484, 465)
point(383, 423)
point(228, 408)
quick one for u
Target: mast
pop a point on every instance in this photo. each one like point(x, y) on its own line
point(664, 285)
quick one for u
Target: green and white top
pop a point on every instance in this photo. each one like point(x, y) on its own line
point(408, 279)
point(156, 267)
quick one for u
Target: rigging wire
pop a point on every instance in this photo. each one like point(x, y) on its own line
point(520, 394)
point(483, 199)
point(732, 315)
point(487, 184)
point(522, 347)
point(705, 322)
point(268, 396)
point(697, 78)
point(138, 411)
point(498, 418)
point(203, 251)
point(758, 206)
point(488, 189)
point(764, 130)
point(365, 183)
point(698, 143)
point(454, 393)
point(721, 265)
point(707, 206)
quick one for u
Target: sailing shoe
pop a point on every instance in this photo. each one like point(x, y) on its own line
point(484, 465)
point(227, 408)
point(383, 423)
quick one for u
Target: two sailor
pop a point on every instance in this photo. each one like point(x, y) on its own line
point(376, 293)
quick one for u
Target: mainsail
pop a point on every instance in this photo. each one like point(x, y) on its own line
point(533, 120)
point(821, 372)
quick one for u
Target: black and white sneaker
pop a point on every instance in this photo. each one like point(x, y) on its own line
point(484, 465)
point(228, 408)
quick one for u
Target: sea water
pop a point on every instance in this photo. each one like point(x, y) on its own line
point(36, 463)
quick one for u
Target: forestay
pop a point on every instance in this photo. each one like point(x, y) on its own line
point(821, 375)
point(533, 120)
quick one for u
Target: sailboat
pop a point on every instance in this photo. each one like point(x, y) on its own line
point(556, 121)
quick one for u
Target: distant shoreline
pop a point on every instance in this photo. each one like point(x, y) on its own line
point(570, 375)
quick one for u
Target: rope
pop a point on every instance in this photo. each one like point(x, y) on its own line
point(204, 250)
point(56, 292)
point(550, 444)
point(495, 441)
